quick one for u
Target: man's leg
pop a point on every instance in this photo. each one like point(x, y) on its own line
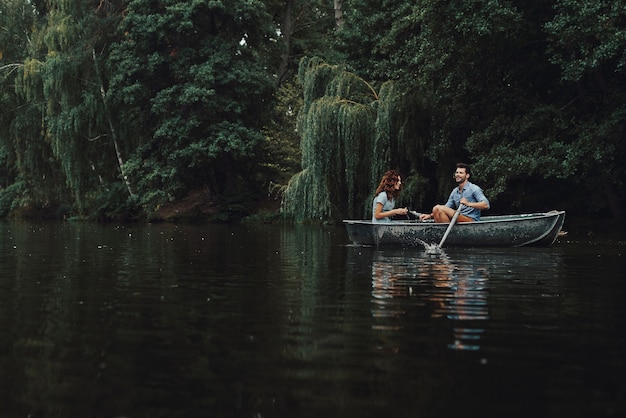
point(443, 214)
point(463, 218)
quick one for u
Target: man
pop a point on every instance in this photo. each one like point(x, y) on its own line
point(468, 194)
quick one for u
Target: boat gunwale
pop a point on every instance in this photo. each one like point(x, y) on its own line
point(484, 220)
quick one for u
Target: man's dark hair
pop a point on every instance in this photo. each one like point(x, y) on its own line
point(465, 166)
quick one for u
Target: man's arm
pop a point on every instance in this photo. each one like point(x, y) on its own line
point(481, 200)
point(482, 205)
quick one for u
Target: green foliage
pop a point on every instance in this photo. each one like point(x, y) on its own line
point(165, 96)
point(521, 90)
point(516, 146)
point(447, 56)
point(351, 134)
point(336, 123)
point(588, 35)
point(10, 197)
point(588, 43)
point(304, 27)
point(61, 82)
point(14, 21)
point(113, 203)
point(119, 105)
point(192, 76)
point(281, 148)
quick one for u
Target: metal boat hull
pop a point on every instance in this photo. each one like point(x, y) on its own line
point(536, 229)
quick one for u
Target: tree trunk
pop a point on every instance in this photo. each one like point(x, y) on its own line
point(286, 32)
point(118, 153)
point(338, 14)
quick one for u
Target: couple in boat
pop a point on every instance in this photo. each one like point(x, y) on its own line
point(466, 195)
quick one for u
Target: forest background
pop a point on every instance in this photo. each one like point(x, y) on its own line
point(218, 110)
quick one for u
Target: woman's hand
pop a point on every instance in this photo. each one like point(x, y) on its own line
point(401, 211)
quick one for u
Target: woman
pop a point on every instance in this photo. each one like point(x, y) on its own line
point(385, 200)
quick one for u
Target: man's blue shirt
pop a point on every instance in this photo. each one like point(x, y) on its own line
point(473, 194)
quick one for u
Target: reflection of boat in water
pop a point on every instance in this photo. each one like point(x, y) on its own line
point(537, 229)
point(452, 289)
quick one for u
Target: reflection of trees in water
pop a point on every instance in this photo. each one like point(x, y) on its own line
point(387, 283)
point(455, 291)
point(305, 257)
point(157, 293)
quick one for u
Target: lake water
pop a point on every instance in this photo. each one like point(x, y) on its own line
point(292, 321)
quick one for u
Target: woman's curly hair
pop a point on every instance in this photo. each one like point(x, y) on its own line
point(388, 183)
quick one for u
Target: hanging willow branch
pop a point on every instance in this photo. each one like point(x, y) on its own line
point(97, 137)
point(346, 101)
point(11, 68)
point(349, 140)
point(376, 97)
point(337, 126)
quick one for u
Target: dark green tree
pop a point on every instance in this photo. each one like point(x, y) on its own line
point(191, 84)
point(472, 62)
point(588, 43)
point(304, 27)
point(504, 85)
point(143, 101)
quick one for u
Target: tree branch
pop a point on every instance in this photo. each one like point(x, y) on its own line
point(11, 68)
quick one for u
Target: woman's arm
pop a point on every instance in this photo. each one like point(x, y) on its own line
point(379, 214)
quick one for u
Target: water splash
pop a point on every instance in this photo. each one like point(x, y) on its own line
point(431, 249)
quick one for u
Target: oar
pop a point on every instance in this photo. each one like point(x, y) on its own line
point(452, 222)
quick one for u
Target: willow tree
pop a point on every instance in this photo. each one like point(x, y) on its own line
point(31, 175)
point(62, 74)
point(337, 124)
point(15, 20)
point(429, 60)
point(351, 134)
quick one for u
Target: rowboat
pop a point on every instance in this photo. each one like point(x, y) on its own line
point(534, 229)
